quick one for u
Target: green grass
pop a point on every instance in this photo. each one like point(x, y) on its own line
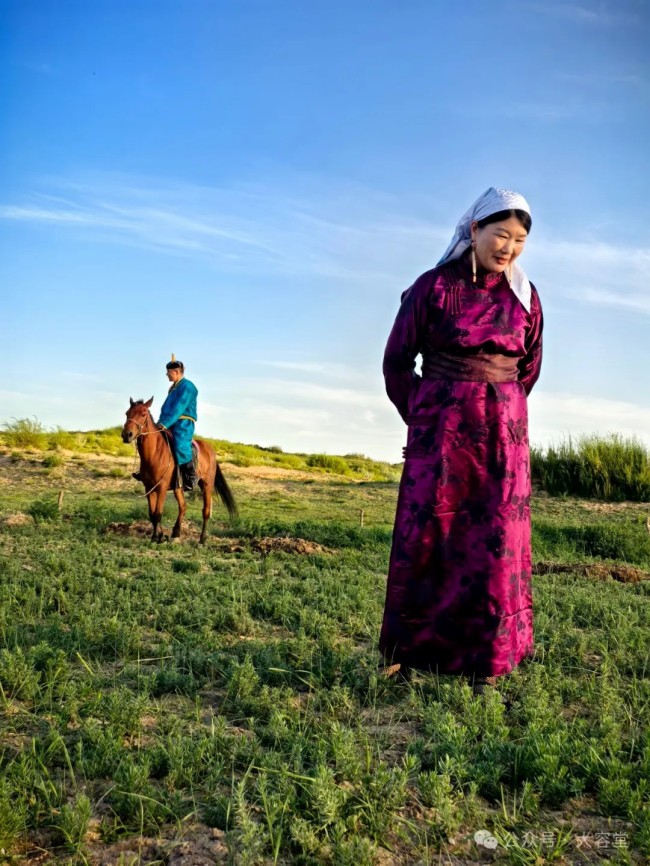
point(612, 468)
point(148, 690)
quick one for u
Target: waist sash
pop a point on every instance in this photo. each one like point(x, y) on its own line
point(470, 368)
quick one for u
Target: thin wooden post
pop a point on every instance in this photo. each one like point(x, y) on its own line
point(361, 517)
point(60, 499)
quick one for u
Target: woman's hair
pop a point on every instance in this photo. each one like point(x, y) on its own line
point(524, 218)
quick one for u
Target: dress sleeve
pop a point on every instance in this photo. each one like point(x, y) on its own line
point(175, 405)
point(405, 343)
point(530, 364)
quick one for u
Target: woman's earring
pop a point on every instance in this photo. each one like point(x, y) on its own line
point(473, 264)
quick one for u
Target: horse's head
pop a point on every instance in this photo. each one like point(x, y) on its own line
point(137, 418)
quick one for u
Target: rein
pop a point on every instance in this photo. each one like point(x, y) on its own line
point(147, 433)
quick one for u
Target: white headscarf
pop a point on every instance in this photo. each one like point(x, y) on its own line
point(492, 201)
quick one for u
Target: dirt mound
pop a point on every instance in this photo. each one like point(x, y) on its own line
point(137, 529)
point(272, 545)
point(142, 529)
point(594, 570)
point(18, 519)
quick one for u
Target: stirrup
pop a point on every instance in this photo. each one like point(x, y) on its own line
point(188, 477)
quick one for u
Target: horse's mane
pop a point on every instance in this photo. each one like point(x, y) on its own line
point(141, 403)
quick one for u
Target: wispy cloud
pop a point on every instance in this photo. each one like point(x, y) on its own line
point(543, 112)
point(554, 417)
point(637, 302)
point(596, 13)
point(322, 394)
point(567, 107)
point(347, 235)
point(600, 79)
point(320, 369)
point(333, 231)
point(593, 272)
point(39, 66)
point(81, 377)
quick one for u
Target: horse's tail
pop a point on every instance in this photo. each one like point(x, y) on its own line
point(221, 486)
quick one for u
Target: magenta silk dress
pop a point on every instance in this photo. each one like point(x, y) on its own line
point(459, 595)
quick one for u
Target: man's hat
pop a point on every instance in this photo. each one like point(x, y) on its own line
point(174, 364)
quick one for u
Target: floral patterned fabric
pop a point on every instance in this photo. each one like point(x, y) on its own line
point(459, 595)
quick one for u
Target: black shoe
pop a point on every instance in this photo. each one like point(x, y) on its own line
point(137, 476)
point(189, 476)
point(481, 684)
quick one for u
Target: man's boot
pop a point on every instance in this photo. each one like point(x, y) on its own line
point(188, 476)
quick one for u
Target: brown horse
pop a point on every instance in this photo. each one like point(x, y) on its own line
point(158, 470)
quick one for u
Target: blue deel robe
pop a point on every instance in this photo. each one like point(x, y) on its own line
point(178, 414)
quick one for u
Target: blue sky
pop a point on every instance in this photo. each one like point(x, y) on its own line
point(251, 185)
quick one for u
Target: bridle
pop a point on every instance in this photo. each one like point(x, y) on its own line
point(140, 427)
point(142, 432)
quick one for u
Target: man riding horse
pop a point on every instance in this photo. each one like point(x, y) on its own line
point(178, 416)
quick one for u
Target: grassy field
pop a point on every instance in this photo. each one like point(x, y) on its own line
point(184, 705)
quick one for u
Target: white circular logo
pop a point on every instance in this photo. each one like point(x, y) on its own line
point(485, 838)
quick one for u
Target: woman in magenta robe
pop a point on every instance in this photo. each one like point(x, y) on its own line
point(459, 598)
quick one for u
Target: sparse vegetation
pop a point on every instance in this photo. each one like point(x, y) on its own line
point(152, 692)
point(31, 434)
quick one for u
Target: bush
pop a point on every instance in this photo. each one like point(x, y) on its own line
point(43, 509)
point(25, 433)
point(63, 439)
point(612, 468)
point(330, 462)
point(52, 460)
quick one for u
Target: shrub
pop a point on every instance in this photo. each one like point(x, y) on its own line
point(25, 433)
point(612, 468)
point(43, 509)
point(61, 438)
point(53, 460)
point(329, 462)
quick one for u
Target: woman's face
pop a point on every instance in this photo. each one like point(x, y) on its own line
point(497, 245)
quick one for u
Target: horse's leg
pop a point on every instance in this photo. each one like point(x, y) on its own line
point(160, 495)
point(151, 501)
point(182, 508)
point(206, 487)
